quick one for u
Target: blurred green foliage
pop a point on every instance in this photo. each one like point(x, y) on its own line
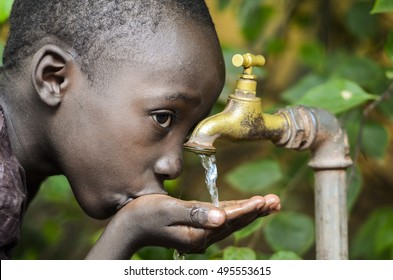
point(337, 55)
point(265, 173)
point(375, 238)
point(5, 9)
point(382, 6)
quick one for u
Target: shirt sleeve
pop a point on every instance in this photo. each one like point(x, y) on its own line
point(12, 195)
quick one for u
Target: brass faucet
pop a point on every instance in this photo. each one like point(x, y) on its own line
point(242, 118)
point(298, 128)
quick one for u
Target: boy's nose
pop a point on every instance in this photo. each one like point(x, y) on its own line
point(169, 167)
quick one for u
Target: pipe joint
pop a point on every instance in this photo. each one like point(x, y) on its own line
point(302, 127)
point(319, 131)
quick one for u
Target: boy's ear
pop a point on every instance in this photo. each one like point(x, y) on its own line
point(51, 67)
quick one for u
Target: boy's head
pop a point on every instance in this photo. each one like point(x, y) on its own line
point(115, 87)
point(96, 29)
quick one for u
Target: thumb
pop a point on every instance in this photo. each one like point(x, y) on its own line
point(199, 215)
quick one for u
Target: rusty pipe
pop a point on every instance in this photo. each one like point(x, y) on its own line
point(320, 131)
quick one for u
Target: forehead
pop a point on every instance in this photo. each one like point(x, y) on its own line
point(182, 52)
point(179, 41)
point(185, 46)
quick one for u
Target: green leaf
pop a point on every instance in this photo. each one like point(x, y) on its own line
point(5, 9)
point(213, 252)
point(389, 74)
point(389, 46)
point(374, 239)
point(252, 18)
point(295, 92)
point(375, 140)
point(336, 96)
point(285, 255)
point(361, 70)
point(239, 253)
point(223, 4)
point(384, 239)
point(354, 188)
point(250, 229)
point(359, 20)
point(382, 6)
point(313, 55)
point(290, 231)
point(387, 108)
point(255, 177)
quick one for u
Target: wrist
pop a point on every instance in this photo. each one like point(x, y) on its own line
point(119, 240)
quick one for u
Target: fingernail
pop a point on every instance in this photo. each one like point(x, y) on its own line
point(275, 207)
point(214, 217)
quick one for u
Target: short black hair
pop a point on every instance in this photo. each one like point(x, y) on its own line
point(92, 27)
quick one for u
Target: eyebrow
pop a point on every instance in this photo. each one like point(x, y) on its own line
point(182, 96)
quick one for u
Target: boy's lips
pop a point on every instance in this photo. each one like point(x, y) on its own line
point(157, 189)
point(121, 205)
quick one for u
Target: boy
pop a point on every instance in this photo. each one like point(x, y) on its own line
point(105, 92)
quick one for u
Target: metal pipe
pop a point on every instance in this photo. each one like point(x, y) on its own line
point(331, 215)
point(330, 158)
point(318, 130)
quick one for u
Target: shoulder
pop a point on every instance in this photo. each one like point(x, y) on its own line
point(12, 193)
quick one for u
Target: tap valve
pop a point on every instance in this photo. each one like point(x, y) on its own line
point(247, 83)
point(248, 61)
point(242, 119)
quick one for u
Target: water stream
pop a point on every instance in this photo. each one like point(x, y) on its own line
point(209, 163)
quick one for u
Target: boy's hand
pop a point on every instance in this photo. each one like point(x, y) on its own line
point(188, 226)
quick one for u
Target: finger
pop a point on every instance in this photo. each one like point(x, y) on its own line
point(241, 213)
point(262, 205)
point(196, 214)
point(255, 204)
point(272, 203)
point(228, 203)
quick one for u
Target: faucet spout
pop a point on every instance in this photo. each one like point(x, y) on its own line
point(241, 120)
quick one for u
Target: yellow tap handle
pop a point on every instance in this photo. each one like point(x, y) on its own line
point(248, 60)
point(247, 82)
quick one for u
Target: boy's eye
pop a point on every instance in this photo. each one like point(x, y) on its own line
point(164, 118)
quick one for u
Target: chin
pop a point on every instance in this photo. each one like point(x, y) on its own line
point(100, 212)
point(102, 206)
